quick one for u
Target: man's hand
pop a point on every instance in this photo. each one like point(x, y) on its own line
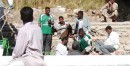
point(110, 3)
point(73, 37)
point(58, 29)
point(39, 24)
point(67, 25)
point(49, 21)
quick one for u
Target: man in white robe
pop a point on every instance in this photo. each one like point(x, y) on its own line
point(29, 43)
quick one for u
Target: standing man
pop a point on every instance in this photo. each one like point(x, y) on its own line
point(111, 44)
point(82, 22)
point(109, 10)
point(28, 48)
point(46, 22)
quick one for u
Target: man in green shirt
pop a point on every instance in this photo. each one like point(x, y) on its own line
point(84, 40)
point(46, 22)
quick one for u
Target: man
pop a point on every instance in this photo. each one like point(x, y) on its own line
point(61, 48)
point(84, 40)
point(46, 22)
point(111, 44)
point(63, 28)
point(28, 48)
point(109, 10)
point(82, 22)
point(75, 49)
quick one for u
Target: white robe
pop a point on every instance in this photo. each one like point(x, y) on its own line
point(29, 45)
point(61, 49)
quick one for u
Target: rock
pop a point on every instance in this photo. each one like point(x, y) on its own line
point(127, 47)
point(76, 11)
point(58, 10)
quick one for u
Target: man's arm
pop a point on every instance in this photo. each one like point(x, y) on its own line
point(102, 8)
point(21, 44)
point(86, 25)
point(40, 20)
point(76, 25)
point(39, 24)
point(51, 20)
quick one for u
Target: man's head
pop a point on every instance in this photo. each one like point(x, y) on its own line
point(80, 14)
point(81, 32)
point(47, 10)
point(108, 29)
point(26, 14)
point(64, 40)
point(61, 19)
point(75, 45)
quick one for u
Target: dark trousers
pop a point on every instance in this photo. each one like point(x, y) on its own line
point(47, 41)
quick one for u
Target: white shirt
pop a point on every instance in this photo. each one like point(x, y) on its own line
point(29, 44)
point(61, 49)
point(80, 24)
point(113, 39)
point(61, 26)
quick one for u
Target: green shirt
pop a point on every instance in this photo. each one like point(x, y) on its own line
point(85, 42)
point(46, 28)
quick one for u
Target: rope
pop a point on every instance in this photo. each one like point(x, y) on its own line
point(6, 19)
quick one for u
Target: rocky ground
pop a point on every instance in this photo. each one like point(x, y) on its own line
point(120, 27)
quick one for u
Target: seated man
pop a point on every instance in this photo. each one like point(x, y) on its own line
point(75, 49)
point(63, 28)
point(28, 48)
point(111, 44)
point(109, 10)
point(84, 40)
point(61, 48)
